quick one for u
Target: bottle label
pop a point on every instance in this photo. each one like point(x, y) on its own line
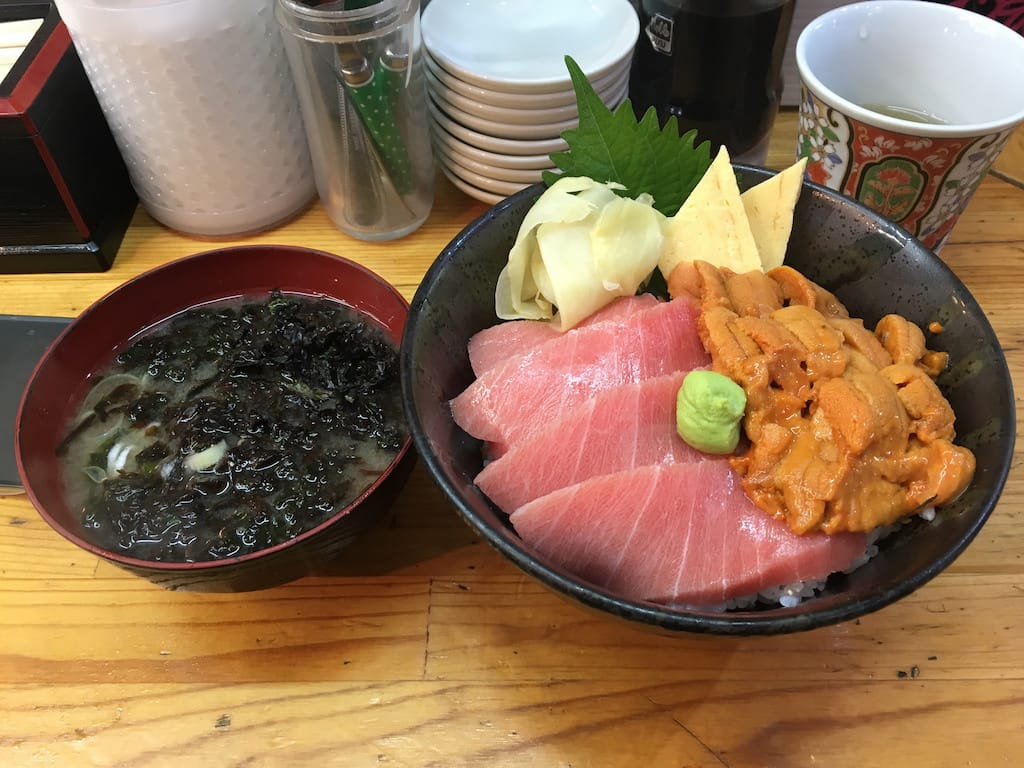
point(659, 32)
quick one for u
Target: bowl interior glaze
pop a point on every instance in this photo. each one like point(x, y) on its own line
point(61, 380)
point(872, 265)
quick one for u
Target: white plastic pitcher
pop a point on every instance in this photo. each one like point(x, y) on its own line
point(200, 99)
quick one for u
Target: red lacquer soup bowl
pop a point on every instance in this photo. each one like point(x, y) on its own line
point(63, 377)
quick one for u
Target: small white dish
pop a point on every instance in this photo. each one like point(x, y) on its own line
point(451, 156)
point(492, 143)
point(487, 184)
point(469, 189)
point(612, 95)
point(501, 160)
point(501, 129)
point(521, 46)
point(560, 98)
point(525, 114)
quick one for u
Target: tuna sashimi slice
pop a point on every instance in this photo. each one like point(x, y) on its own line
point(677, 533)
point(624, 427)
point(503, 341)
point(522, 395)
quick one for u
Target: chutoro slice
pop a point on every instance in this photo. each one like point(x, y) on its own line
point(503, 341)
point(677, 533)
point(514, 399)
point(624, 427)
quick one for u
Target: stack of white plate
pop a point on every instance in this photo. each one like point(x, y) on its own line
point(500, 93)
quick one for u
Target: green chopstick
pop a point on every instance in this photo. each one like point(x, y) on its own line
point(375, 97)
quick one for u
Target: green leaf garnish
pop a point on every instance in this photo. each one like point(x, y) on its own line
point(613, 146)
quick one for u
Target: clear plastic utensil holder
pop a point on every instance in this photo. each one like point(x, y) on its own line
point(200, 100)
point(361, 83)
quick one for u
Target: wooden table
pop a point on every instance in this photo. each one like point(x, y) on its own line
point(426, 648)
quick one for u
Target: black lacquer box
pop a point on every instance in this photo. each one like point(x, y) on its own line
point(65, 195)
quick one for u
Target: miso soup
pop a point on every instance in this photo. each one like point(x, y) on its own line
point(232, 427)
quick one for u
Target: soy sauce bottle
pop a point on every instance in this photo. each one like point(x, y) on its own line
point(714, 64)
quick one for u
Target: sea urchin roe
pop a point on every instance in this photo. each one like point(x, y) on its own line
point(233, 427)
point(847, 428)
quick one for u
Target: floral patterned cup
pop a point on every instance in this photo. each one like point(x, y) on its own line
point(905, 105)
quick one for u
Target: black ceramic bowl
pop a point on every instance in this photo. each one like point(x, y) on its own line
point(90, 341)
point(874, 266)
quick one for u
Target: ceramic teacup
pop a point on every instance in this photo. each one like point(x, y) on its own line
point(905, 105)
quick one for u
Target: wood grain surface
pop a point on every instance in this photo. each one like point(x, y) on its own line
point(425, 648)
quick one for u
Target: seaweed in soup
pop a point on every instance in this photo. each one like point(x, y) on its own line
point(234, 427)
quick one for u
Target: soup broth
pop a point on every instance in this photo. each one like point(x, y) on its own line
point(906, 113)
point(233, 427)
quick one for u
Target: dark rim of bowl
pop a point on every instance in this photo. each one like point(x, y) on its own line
point(738, 622)
point(160, 565)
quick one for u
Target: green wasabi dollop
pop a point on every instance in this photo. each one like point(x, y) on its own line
point(709, 411)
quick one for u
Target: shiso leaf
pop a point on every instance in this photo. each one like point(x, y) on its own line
point(613, 147)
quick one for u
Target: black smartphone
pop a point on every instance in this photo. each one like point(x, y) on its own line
point(23, 340)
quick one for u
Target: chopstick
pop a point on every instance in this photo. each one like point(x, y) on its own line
point(374, 91)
